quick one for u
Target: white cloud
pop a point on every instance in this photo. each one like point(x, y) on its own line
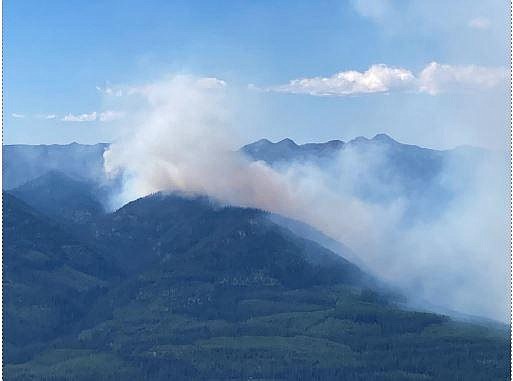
point(104, 116)
point(377, 79)
point(80, 117)
point(436, 78)
point(18, 116)
point(479, 23)
point(109, 115)
point(433, 79)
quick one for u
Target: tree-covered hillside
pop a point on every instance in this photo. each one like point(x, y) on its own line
point(171, 287)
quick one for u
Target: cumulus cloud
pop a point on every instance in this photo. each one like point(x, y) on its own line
point(433, 79)
point(17, 116)
point(479, 23)
point(80, 117)
point(377, 79)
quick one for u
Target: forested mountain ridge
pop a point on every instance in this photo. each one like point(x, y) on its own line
point(179, 287)
point(50, 278)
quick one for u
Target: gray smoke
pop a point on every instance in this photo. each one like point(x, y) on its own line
point(180, 138)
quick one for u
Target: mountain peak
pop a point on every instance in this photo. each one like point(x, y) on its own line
point(335, 143)
point(359, 139)
point(288, 142)
point(383, 138)
point(262, 142)
point(379, 138)
point(287, 149)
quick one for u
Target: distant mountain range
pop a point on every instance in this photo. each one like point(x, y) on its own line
point(377, 170)
point(85, 162)
point(287, 150)
point(380, 170)
point(23, 162)
point(381, 158)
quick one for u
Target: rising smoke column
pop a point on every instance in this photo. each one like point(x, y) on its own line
point(180, 138)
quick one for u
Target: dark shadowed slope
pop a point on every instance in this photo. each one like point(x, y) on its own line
point(49, 278)
point(61, 197)
point(170, 226)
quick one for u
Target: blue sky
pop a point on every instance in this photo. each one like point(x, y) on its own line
point(58, 53)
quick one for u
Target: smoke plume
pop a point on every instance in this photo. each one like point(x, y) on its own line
point(180, 137)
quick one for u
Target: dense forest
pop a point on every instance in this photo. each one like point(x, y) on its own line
point(171, 287)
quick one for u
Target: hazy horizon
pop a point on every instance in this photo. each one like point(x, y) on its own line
point(274, 141)
point(308, 71)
